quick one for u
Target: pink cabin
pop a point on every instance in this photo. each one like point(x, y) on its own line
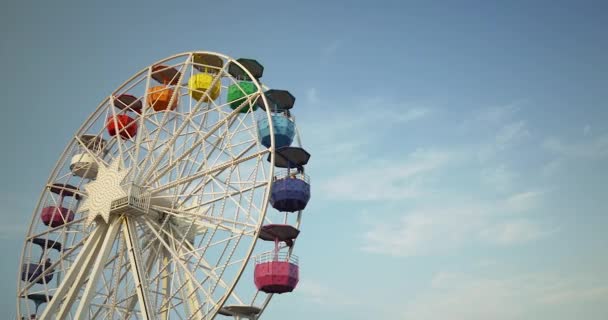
point(277, 272)
point(57, 215)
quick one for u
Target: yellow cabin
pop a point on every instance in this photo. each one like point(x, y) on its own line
point(199, 83)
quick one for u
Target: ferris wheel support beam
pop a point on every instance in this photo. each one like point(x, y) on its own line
point(139, 277)
point(166, 284)
point(75, 277)
point(150, 260)
point(98, 267)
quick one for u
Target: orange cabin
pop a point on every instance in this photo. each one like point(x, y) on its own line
point(159, 98)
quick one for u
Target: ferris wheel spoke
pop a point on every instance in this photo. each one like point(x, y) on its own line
point(194, 146)
point(51, 230)
point(215, 221)
point(142, 123)
point(165, 115)
point(207, 266)
point(186, 245)
point(197, 106)
point(117, 136)
point(211, 170)
point(214, 147)
point(203, 183)
point(102, 255)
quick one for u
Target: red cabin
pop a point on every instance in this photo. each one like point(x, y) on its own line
point(122, 124)
point(277, 272)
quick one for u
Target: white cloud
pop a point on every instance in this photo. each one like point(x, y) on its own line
point(323, 294)
point(511, 133)
point(341, 137)
point(552, 167)
point(515, 232)
point(331, 48)
point(489, 117)
point(497, 113)
point(505, 138)
point(451, 226)
point(312, 96)
point(467, 297)
point(421, 233)
point(587, 130)
point(383, 180)
point(523, 201)
point(591, 148)
point(499, 178)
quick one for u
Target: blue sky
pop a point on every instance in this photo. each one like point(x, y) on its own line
point(458, 149)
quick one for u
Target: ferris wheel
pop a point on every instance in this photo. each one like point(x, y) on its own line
point(154, 208)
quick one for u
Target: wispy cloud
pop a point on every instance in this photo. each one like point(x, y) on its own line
point(331, 48)
point(386, 180)
point(507, 136)
point(323, 294)
point(590, 148)
point(587, 130)
point(514, 232)
point(312, 96)
point(341, 137)
point(498, 177)
point(523, 201)
point(468, 297)
point(444, 228)
point(570, 153)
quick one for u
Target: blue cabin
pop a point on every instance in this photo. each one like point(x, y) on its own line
point(291, 189)
point(284, 130)
point(291, 192)
point(280, 101)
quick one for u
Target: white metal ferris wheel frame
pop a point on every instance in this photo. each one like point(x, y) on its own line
point(130, 225)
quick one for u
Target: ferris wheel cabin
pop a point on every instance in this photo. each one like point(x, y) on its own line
point(160, 96)
point(40, 271)
point(128, 103)
point(280, 101)
point(55, 214)
point(275, 271)
point(38, 300)
point(238, 93)
point(205, 86)
point(291, 189)
point(82, 163)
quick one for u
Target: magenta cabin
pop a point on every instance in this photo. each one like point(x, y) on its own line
point(56, 216)
point(276, 273)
